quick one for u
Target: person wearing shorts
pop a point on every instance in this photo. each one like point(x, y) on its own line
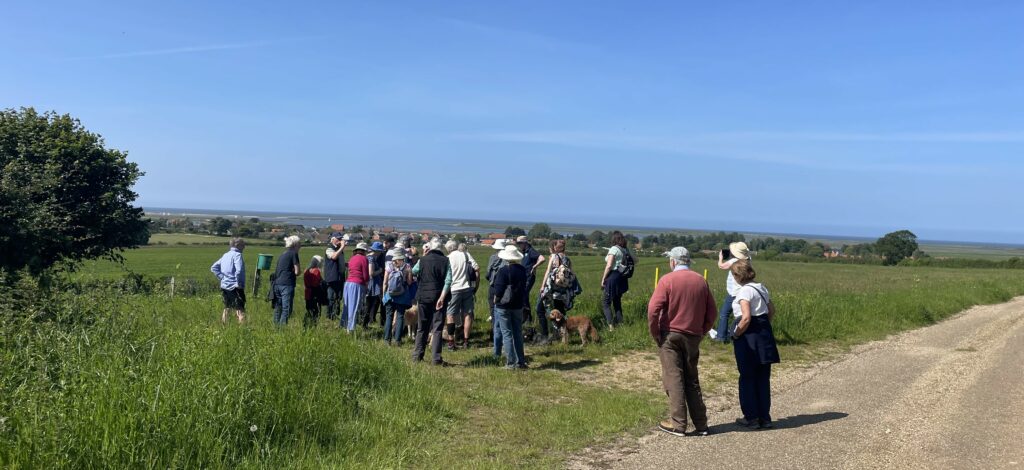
point(464, 272)
point(230, 270)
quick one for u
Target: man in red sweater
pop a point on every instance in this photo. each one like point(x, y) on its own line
point(681, 311)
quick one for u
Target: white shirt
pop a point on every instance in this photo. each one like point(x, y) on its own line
point(731, 286)
point(461, 263)
point(752, 293)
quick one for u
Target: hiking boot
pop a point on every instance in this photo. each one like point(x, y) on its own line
point(451, 345)
point(465, 344)
point(666, 426)
point(443, 364)
point(762, 424)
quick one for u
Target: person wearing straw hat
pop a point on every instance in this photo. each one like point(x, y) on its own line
point(493, 265)
point(355, 286)
point(375, 290)
point(508, 291)
point(681, 311)
point(313, 282)
point(334, 273)
point(431, 271)
point(737, 251)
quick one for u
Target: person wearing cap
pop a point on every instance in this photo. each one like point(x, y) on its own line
point(313, 282)
point(375, 289)
point(739, 252)
point(681, 311)
point(508, 291)
point(355, 286)
point(493, 265)
point(285, 275)
point(462, 287)
point(230, 271)
point(395, 305)
point(431, 272)
point(532, 259)
point(334, 273)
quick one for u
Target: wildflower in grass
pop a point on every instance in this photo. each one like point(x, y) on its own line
point(254, 428)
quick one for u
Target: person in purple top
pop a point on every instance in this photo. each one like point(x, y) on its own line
point(230, 270)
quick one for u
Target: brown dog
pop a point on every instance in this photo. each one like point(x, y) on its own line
point(410, 320)
point(579, 323)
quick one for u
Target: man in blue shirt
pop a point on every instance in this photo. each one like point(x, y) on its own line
point(230, 270)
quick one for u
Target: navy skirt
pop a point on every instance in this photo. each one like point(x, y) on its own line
point(760, 338)
point(616, 284)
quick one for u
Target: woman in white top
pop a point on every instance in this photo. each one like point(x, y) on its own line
point(754, 346)
point(737, 251)
point(614, 282)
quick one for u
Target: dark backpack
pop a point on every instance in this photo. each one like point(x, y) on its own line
point(628, 264)
point(396, 283)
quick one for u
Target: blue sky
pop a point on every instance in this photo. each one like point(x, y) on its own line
point(846, 118)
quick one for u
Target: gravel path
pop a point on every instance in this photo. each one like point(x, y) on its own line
point(946, 396)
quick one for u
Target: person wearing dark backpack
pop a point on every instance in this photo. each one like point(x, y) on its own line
point(619, 265)
point(397, 295)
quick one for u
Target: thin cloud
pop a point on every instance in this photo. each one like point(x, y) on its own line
point(967, 137)
point(190, 49)
point(523, 37)
point(691, 147)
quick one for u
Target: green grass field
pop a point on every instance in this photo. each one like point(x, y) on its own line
point(159, 382)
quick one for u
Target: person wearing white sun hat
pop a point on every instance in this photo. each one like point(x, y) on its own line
point(493, 265)
point(508, 291)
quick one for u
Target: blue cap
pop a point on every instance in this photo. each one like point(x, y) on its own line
point(377, 246)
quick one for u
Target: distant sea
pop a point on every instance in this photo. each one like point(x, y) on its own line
point(447, 225)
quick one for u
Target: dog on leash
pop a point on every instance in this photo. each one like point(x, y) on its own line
point(579, 323)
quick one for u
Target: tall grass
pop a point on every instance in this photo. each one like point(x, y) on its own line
point(142, 380)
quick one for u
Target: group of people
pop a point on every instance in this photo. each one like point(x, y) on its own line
point(441, 286)
point(682, 310)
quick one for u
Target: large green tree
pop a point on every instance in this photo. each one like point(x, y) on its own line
point(540, 230)
point(64, 196)
point(896, 246)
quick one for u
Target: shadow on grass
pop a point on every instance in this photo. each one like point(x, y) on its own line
point(574, 365)
point(791, 422)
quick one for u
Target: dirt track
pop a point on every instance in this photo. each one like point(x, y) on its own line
point(946, 396)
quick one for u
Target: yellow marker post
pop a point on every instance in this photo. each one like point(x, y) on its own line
point(657, 274)
point(705, 274)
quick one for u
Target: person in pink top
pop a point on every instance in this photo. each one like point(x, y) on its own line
point(355, 286)
point(681, 311)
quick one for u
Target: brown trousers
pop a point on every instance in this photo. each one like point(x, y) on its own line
point(679, 354)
